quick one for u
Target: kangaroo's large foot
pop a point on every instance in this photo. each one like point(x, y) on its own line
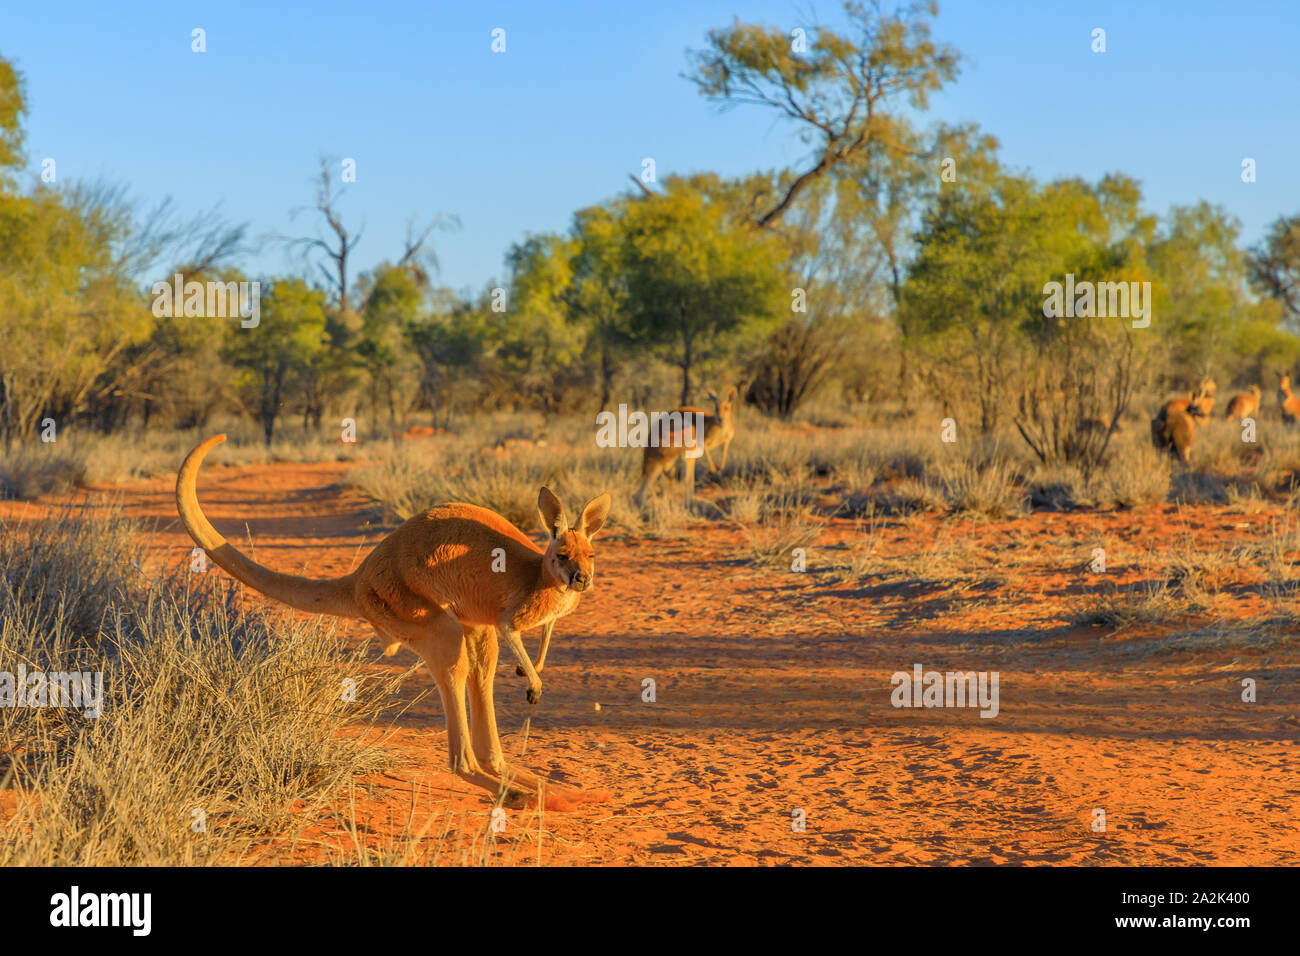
point(500, 785)
point(553, 796)
point(520, 788)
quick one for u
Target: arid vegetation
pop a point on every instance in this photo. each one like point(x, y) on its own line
point(213, 714)
point(908, 450)
point(902, 261)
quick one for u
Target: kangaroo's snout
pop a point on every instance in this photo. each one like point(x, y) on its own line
point(580, 581)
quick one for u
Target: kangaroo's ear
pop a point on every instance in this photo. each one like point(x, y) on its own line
point(594, 515)
point(554, 522)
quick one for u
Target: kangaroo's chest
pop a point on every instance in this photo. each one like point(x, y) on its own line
point(545, 608)
point(569, 603)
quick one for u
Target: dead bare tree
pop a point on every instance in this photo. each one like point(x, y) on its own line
point(340, 242)
point(417, 254)
point(148, 240)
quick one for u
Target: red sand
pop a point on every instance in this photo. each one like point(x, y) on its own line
point(773, 695)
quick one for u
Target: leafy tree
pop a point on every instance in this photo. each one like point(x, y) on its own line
point(977, 277)
point(393, 297)
point(177, 371)
point(597, 295)
point(536, 343)
point(1200, 277)
point(838, 269)
point(846, 92)
point(698, 281)
point(974, 298)
point(79, 337)
point(450, 341)
point(65, 312)
point(1275, 267)
point(274, 355)
point(13, 106)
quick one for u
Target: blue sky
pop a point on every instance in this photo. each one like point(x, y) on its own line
point(515, 142)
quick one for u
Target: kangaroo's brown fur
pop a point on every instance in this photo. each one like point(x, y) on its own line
point(1197, 404)
point(1244, 404)
point(430, 585)
point(1203, 401)
point(1289, 404)
point(719, 429)
point(1174, 429)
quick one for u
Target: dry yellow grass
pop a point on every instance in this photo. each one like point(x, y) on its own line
point(220, 734)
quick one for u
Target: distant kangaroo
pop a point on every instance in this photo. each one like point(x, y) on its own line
point(1203, 401)
point(1174, 429)
point(719, 429)
point(431, 585)
point(1290, 405)
point(1197, 404)
point(1244, 404)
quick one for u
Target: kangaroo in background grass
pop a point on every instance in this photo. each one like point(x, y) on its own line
point(719, 429)
point(1243, 404)
point(1197, 404)
point(1174, 430)
point(1174, 426)
point(430, 585)
point(1289, 404)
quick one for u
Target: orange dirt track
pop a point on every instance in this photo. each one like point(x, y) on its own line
point(773, 694)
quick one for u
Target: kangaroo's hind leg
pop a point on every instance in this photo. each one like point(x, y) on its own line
point(440, 642)
point(482, 649)
point(651, 469)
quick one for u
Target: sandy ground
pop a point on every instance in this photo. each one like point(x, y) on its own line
point(773, 697)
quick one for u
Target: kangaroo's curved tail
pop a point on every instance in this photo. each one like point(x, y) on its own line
point(304, 594)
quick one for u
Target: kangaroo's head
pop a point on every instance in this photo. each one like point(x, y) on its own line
point(570, 559)
point(1254, 390)
point(1284, 384)
point(724, 407)
point(1201, 401)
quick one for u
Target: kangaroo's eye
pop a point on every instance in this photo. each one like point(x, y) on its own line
point(563, 556)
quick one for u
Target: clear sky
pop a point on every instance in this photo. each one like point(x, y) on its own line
point(515, 142)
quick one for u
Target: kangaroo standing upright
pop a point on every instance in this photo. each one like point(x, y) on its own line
point(719, 428)
point(431, 585)
point(1244, 404)
point(1288, 403)
point(1197, 404)
point(1174, 430)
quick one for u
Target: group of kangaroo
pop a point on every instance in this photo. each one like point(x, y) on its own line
point(1174, 427)
point(431, 585)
